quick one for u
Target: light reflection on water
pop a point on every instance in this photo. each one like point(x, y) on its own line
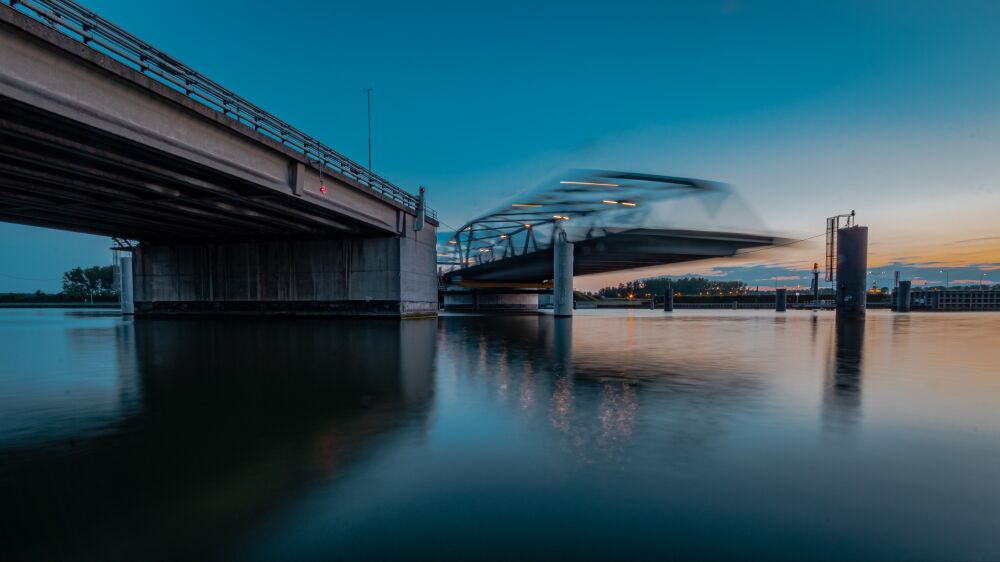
point(615, 434)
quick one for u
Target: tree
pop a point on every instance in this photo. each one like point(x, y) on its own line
point(96, 281)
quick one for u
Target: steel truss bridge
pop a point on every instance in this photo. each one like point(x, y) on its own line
point(616, 221)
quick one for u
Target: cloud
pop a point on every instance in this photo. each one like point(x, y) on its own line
point(983, 239)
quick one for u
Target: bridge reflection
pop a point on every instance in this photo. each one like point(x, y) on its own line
point(233, 419)
point(842, 391)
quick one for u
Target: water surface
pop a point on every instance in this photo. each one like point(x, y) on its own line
point(616, 434)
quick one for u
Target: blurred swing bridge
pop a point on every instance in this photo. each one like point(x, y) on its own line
point(614, 221)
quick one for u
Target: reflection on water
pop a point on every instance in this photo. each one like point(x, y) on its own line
point(609, 435)
point(842, 399)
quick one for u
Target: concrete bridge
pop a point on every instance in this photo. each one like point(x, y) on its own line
point(234, 210)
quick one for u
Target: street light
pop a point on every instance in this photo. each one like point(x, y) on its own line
point(946, 278)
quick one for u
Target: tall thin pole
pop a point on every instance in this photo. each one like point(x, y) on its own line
point(368, 91)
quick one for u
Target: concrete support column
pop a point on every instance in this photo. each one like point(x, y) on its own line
point(852, 270)
point(903, 297)
point(780, 300)
point(668, 299)
point(562, 277)
point(127, 294)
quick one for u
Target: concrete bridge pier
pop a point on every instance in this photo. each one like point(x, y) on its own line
point(781, 300)
point(903, 296)
point(562, 280)
point(390, 276)
point(668, 299)
point(127, 295)
point(852, 270)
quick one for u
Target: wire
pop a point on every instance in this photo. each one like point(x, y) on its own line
point(780, 245)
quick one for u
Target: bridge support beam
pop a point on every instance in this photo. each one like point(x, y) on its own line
point(127, 295)
point(781, 300)
point(562, 280)
point(490, 301)
point(852, 271)
point(903, 296)
point(389, 276)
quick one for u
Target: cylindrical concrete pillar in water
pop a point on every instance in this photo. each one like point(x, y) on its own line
point(852, 270)
point(128, 300)
point(562, 276)
point(780, 300)
point(903, 297)
point(668, 299)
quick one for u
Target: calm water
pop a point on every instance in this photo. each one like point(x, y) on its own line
point(614, 435)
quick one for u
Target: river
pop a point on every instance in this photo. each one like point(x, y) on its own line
point(616, 434)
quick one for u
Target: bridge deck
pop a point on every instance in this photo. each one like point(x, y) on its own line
point(90, 144)
point(630, 249)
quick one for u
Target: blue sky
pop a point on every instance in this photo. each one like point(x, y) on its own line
point(808, 108)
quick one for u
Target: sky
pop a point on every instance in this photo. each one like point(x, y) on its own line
point(807, 109)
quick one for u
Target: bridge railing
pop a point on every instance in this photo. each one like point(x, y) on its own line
point(75, 21)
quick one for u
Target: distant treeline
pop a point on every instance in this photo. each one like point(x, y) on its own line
point(641, 288)
point(90, 284)
point(43, 297)
point(702, 287)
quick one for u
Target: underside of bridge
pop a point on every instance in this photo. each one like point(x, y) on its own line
point(629, 249)
point(58, 173)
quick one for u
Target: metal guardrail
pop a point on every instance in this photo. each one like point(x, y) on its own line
point(75, 21)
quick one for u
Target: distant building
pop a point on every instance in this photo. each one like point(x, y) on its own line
point(955, 299)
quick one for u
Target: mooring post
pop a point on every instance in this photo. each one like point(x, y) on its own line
point(780, 300)
point(668, 299)
point(562, 276)
point(903, 296)
point(127, 296)
point(852, 270)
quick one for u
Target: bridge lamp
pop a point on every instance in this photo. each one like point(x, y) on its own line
point(503, 236)
point(453, 241)
point(628, 203)
point(322, 187)
point(527, 226)
point(589, 183)
point(610, 202)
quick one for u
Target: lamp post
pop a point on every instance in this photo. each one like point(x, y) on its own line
point(947, 281)
point(368, 91)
